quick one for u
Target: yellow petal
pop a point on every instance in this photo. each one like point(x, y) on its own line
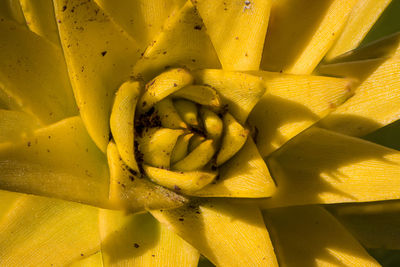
point(320, 166)
point(180, 44)
point(187, 111)
point(233, 139)
point(197, 158)
point(310, 236)
point(301, 32)
point(121, 121)
point(228, 235)
point(245, 175)
point(237, 30)
point(94, 260)
point(203, 95)
point(239, 91)
point(374, 105)
point(292, 104)
point(40, 231)
point(130, 191)
point(375, 225)
point(363, 16)
point(139, 240)
point(168, 115)
point(157, 145)
point(181, 147)
point(44, 91)
point(60, 160)
point(142, 19)
point(15, 125)
point(99, 58)
point(180, 181)
point(163, 85)
point(40, 19)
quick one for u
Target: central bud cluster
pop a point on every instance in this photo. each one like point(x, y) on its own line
point(183, 132)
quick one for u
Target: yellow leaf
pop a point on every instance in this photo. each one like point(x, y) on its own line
point(361, 62)
point(139, 240)
point(168, 115)
point(8, 201)
point(187, 110)
point(237, 30)
point(163, 85)
point(292, 104)
point(45, 90)
point(310, 236)
point(375, 225)
point(143, 19)
point(157, 145)
point(363, 16)
point(233, 139)
point(386, 136)
point(180, 44)
point(320, 166)
point(11, 10)
point(94, 260)
point(15, 125)
point(122, 119)
point(374, 105)
point(203, 95)
point(130, 191)
point(239, 91)
point(39, 231)
point(7, 101)
point(228, 235)
point(181, 147)
point(383, 48)
point(60, 160)
point(212, 123)
point(360, 69)
point(40, 19)
point(185, 181)
point(195, 141)
point(99, 57)
point(300, 33)
point(386, 25)
point(245, 175)
point(197, 158)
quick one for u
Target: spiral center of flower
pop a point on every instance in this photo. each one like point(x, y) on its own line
point(183, 132)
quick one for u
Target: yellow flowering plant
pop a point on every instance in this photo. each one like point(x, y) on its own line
point(168, 132)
